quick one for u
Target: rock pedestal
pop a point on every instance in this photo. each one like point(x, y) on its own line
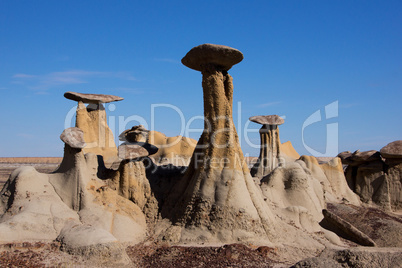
point(217, 199)
point(93, 121)
point(130, 179)
point(269, 157)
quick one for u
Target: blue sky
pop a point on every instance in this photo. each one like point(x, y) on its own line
point(299, 57)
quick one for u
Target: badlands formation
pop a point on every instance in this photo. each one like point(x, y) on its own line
point(177, 191)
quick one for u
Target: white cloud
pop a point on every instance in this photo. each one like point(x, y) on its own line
point(24, 76)
point(46, 81)
point(269, 104)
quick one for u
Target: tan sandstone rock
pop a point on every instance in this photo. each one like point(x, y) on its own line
point(288, 150)
point(332, 179)
point(171, 150)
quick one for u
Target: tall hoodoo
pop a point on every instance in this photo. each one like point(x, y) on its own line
point(270, 144)
point(217, 200)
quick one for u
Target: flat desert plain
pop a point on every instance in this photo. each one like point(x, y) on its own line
point(41, 164)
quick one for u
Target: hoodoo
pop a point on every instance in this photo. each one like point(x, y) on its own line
point(217, 200)
point(92, 120)
point(270, 144)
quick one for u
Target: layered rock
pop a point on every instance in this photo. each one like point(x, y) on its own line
point(92, 120)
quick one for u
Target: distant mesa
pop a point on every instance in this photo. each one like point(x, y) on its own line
point(220, 56)
point(91, 98)
point(74, 137)
point(267, 120)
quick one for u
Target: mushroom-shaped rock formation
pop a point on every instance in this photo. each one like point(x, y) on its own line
point(135, 134)
point(70, 189)
point(130, 179)
point(93, 121)
point(91, 98)
point(74, 137)
point(217, 199)
point(270, 144)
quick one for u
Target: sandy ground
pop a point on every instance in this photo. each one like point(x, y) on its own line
point(384, 228)
point(142, 255)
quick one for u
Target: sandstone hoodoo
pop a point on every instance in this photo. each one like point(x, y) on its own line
point(130, 179)
point(270, 144)
point(92, 121)
point(217, 200)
